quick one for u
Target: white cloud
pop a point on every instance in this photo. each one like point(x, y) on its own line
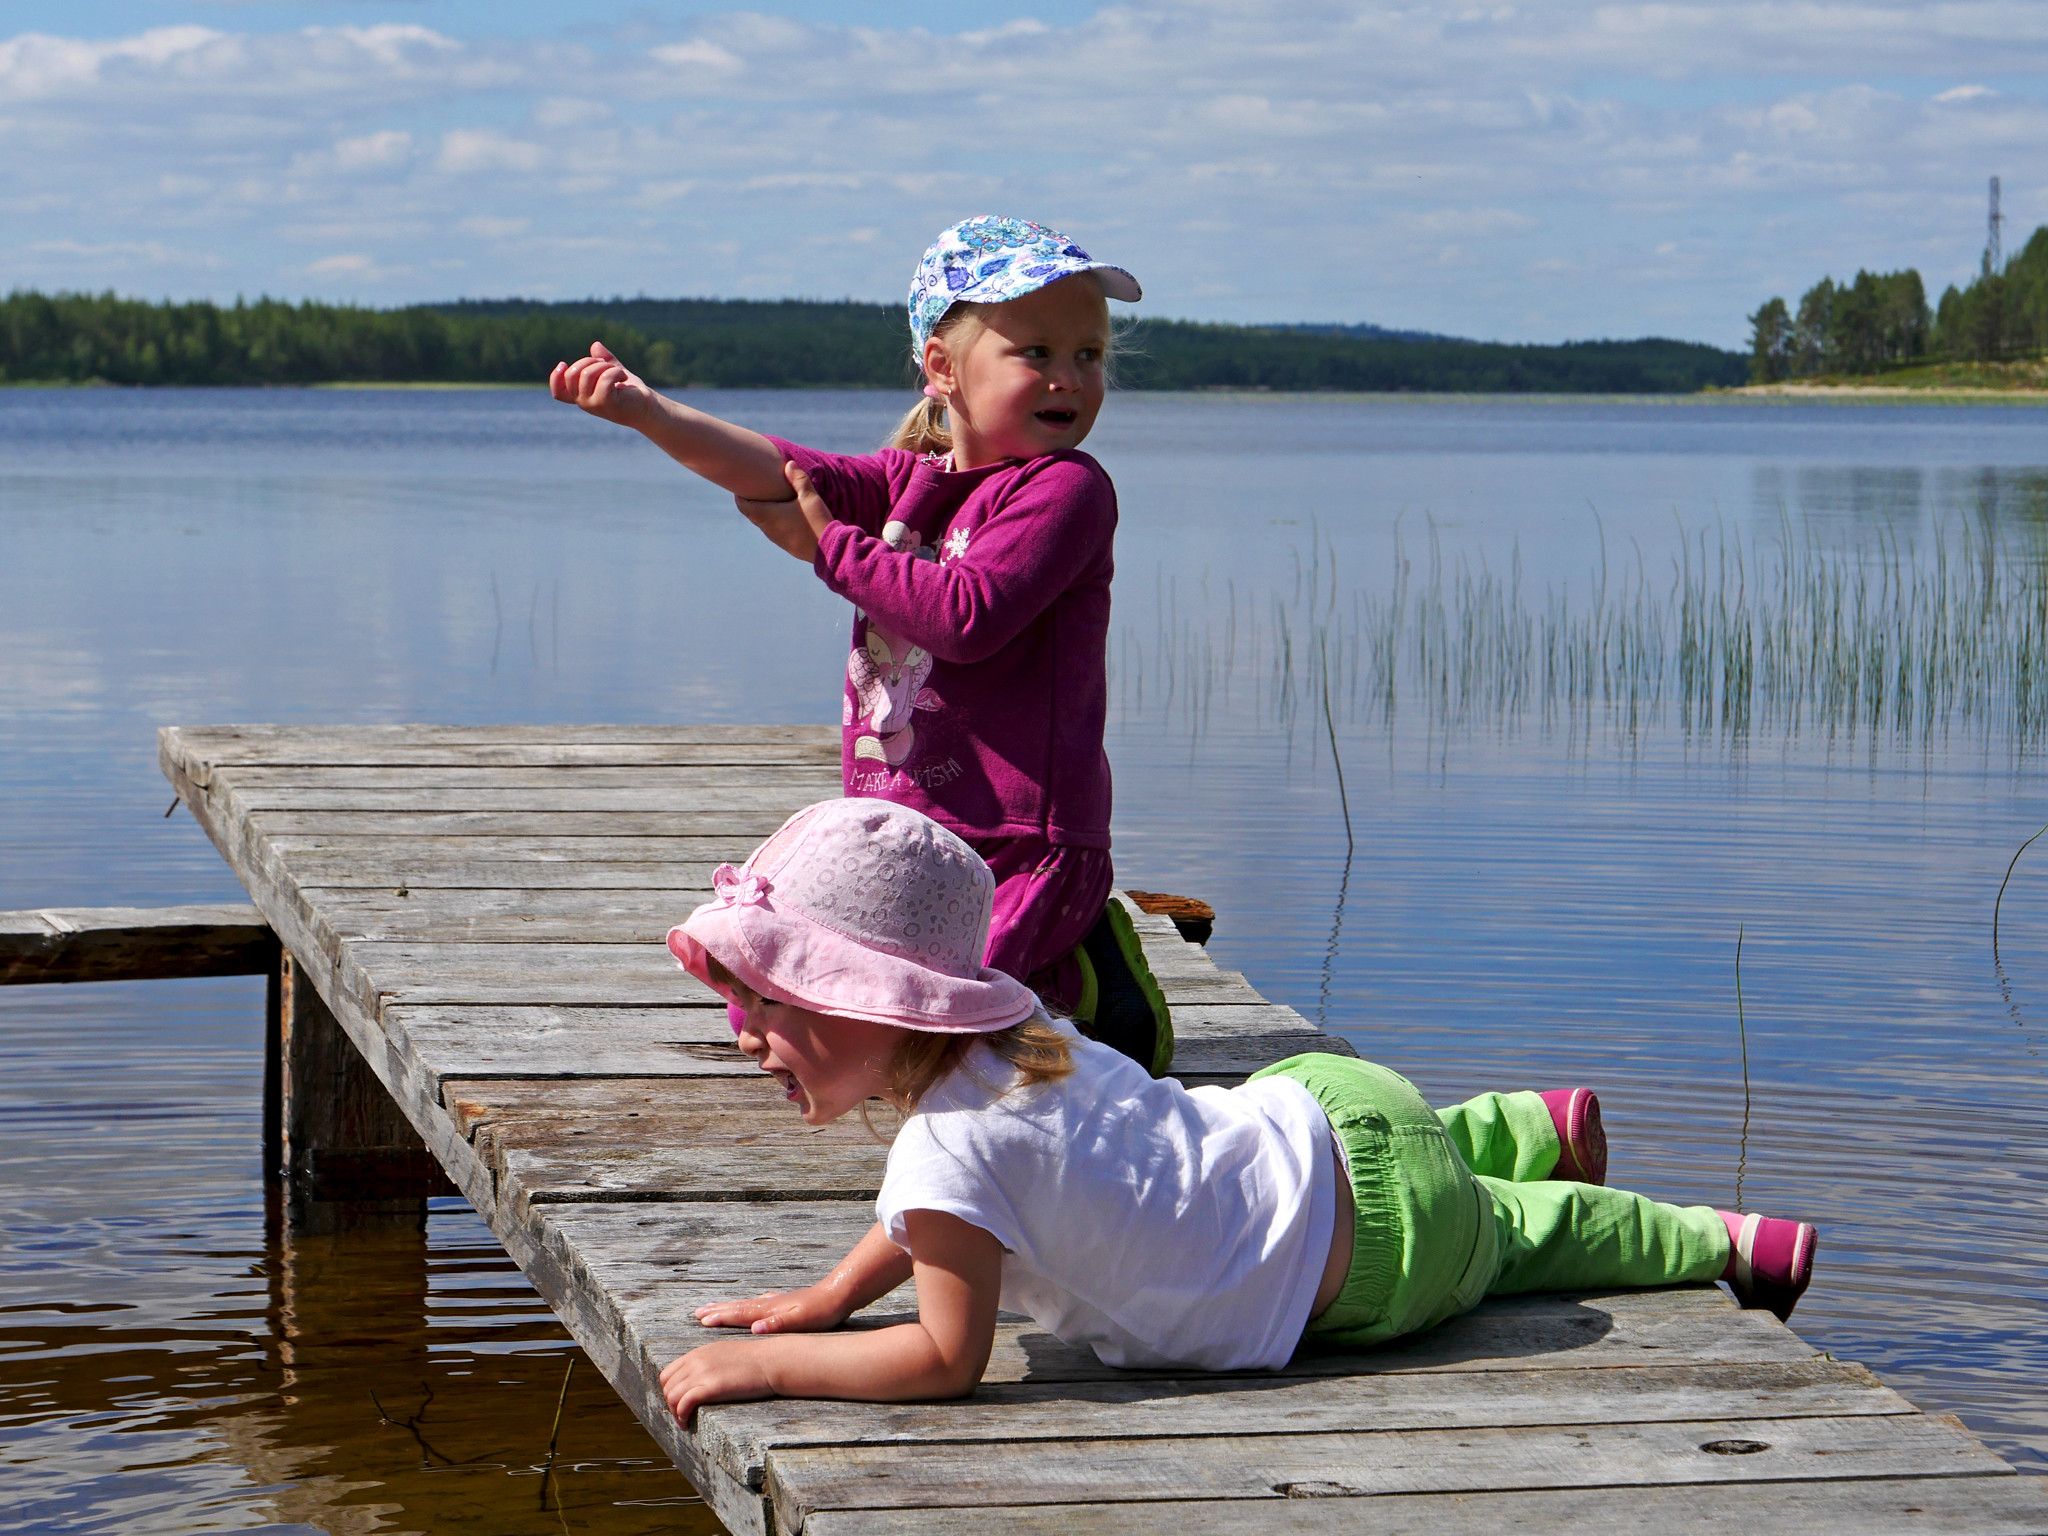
point(373, 151)
point(698, 54)
point(1438, 164)
point(153, 252)
point(465, 150)
point(569, 112)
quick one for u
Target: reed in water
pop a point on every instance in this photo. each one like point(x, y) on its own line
point(1774, 635)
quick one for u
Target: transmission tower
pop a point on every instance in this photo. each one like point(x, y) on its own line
point(1994, 255)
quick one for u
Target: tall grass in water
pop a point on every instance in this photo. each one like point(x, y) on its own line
point(1777, 636)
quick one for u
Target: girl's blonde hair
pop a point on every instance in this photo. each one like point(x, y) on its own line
point(923, 429)
point(1037, 1051)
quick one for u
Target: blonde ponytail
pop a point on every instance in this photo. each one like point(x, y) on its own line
point(923, 429)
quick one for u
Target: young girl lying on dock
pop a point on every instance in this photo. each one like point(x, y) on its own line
point(1042, 1172)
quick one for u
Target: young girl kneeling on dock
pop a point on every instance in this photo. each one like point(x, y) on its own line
point(1041, 1172)
point(976, 547)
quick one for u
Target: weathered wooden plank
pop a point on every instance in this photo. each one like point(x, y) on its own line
point(367, 843)
point(762, 799)
point(1264, 1467)
point(800, 778)
point(747, 827)
point(538, 1163)
point(207, 741)
point(1174, 959)
point(70, 944)
point(599, 975)
point(733, 1138)
point(564, 1045)
point(671, 1106)
point(743, 1435)
point(320, 751)
point(1961, 1506)
point(339, 867)
point(576, 916)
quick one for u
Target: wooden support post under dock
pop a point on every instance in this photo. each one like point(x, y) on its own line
point(481, 912)
point(348, 1151)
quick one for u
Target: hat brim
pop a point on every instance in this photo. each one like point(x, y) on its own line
point(786, 957)
point(1116, 282)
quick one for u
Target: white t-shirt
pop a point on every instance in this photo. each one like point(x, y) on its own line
point(1160, 1225)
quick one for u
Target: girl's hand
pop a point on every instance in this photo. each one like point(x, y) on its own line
point(603, 386)
point(733, 1371)
point(793, 525)
point(810, 1310)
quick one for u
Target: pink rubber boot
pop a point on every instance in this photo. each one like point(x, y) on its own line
point(1576, 1114)
point(1772, 1263)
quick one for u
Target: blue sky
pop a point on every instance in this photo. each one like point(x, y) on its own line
point(1580, 168)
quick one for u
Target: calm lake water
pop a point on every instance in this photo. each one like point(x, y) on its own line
point(1555, 842)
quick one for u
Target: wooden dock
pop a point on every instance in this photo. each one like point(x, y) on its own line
point(473, 922)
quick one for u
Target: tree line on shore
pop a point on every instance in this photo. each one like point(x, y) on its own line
point(1881, 320)
point(714, 343)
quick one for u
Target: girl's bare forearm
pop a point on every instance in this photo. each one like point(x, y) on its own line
point(888, 1365)
point(873, 1269)
point(737, 458)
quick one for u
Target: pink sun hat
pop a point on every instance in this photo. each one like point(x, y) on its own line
point(862, 908)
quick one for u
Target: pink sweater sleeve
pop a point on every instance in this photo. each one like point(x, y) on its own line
point(1044, 538)
point(857, 487)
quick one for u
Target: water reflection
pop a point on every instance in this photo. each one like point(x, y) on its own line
point(390, 1376)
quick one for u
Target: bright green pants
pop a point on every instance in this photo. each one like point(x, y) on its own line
point(1454, 1206)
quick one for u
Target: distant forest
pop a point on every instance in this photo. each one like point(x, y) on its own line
point(1881, 321)
point(717, 343)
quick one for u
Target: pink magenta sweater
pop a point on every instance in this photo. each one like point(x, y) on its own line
point(978, 681)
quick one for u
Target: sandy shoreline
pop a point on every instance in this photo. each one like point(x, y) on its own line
point(1891, 392)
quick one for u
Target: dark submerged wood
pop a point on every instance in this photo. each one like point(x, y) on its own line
point(485, 936)
point(1194, 919)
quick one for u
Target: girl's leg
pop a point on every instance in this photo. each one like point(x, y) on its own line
point(1528, 1136)
point(1556, 1236)
point(1047, 898)
point(1055, 929)
point(1504, 1135)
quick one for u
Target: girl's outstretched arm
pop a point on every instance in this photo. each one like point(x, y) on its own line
point(871, 1271)
point(959, 1270)
point(738, 458)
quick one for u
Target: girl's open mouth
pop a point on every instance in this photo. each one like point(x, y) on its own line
point(1058, 418)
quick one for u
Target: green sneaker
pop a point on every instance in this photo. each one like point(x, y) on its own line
point(1120, 1003)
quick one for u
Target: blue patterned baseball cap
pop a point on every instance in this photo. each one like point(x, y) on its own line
point(989, 260)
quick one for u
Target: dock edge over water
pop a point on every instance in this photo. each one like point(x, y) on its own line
point(481, 909)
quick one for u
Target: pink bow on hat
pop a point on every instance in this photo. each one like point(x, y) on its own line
point(737, 890)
